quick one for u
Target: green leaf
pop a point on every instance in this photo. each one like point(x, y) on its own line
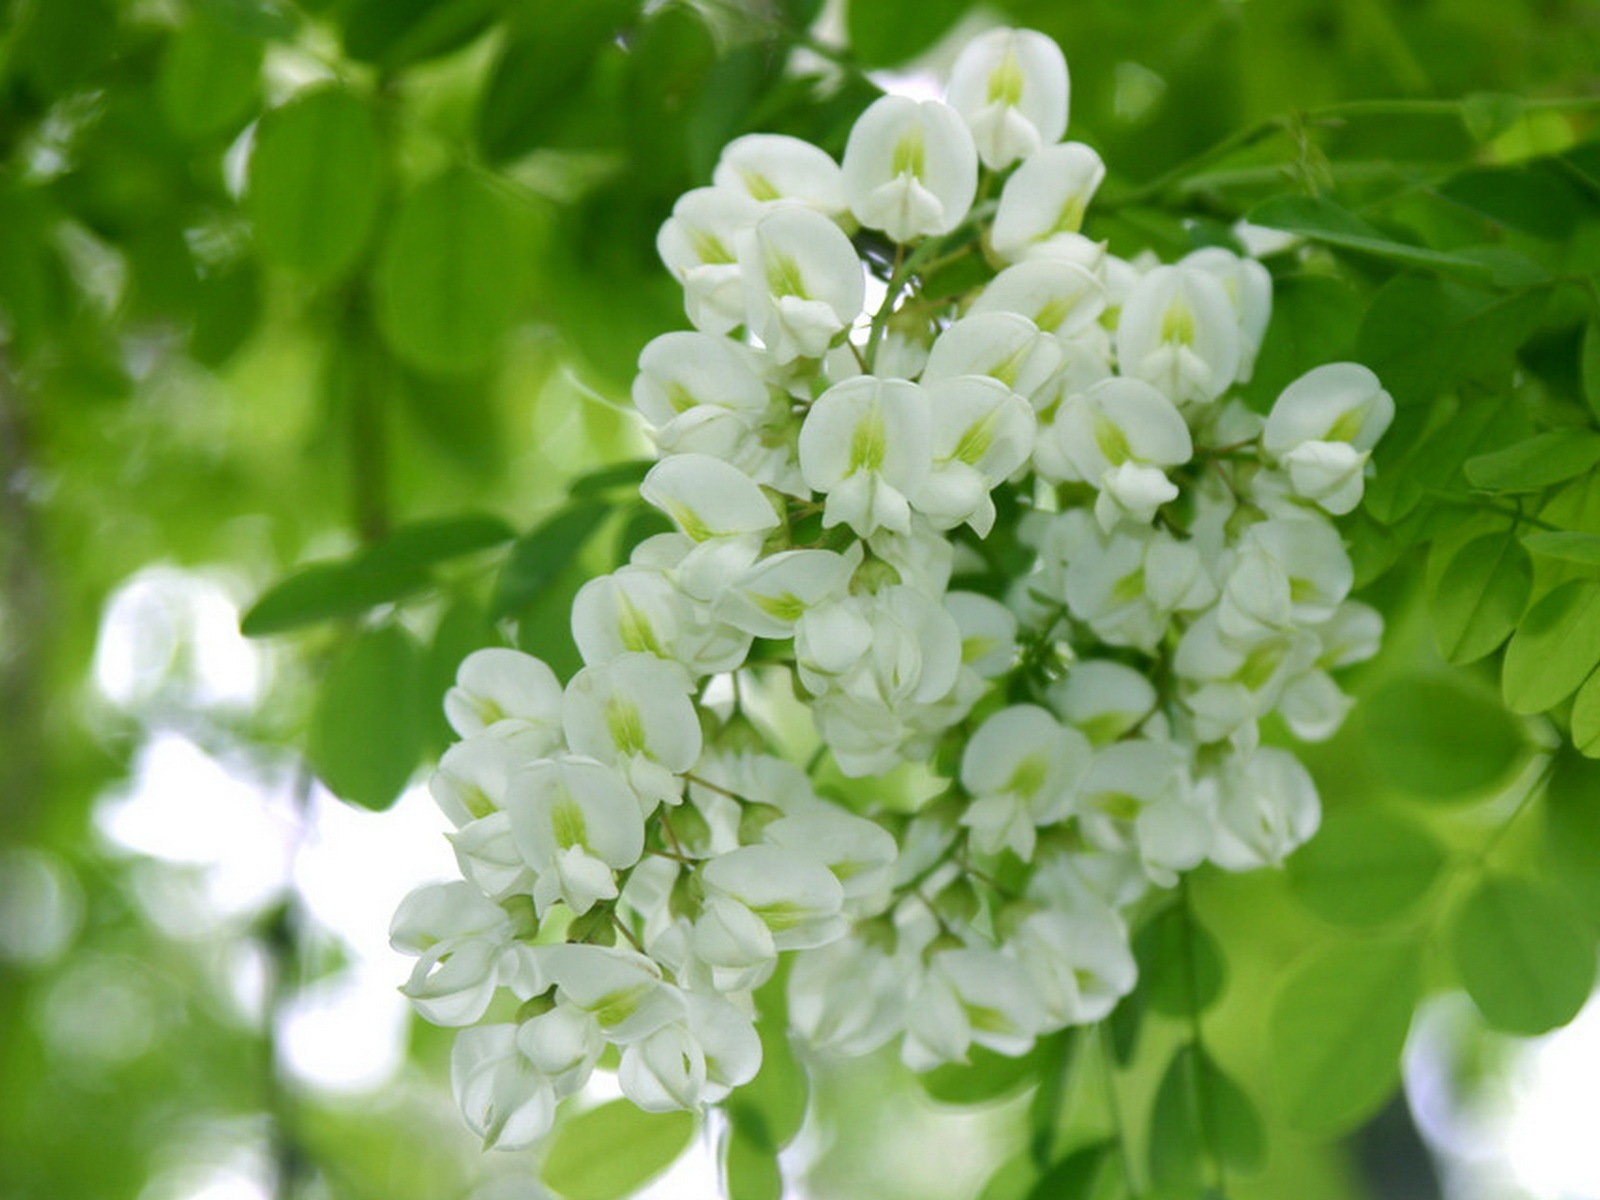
point(1555, 648)
point(984, 1077)
point(1479, 596)
point(1324, 221)
point(1336, 1030)
point(1523, 955)
point(382, 573)
point(438, 539)
point(608, 479)
point(329, 591)
point(1365, 866)
point(750, 1169)
point(446, 287)
point(1572, 829)
point(462, 628)
point(542, 554)
point(396, 33)
point(1076, 1176)
point(252, 18)
point(771, 1108)
point(1586, 717)
point(1199, 1113)
point(315, 179)
point(1315, 319)
point(1567, 545)
point(1589, 365)
point(366, 732)
point(1180, 965)
point(613, 1150)
point(1489, 114)
point(538, 78)
point(1535, 464)
point(886, 32)
point(208, 80)
point(1422, 337)
point(1439, 739)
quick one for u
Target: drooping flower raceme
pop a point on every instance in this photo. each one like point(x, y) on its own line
point(1026, 536)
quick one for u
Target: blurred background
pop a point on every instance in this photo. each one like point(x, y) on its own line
point(362, 283)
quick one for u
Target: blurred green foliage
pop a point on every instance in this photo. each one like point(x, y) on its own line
point(332, 300)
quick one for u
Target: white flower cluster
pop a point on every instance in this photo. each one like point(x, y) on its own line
point(636, 859)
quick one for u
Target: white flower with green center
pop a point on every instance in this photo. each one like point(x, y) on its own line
point(988, 633)
point(460, 939)
point(1079, 961)
point(910, 168)
point(803, 284)
point(470, 787)
point(848, 997)
point(1012, 89)
point(636, 713)
point(972, 995)
point(794, 895)
point(699, 245)
point(1228, 684)
point(1288, 572)
point(1322, 429)
point(1044, 201)
point(1103, 698)
point(1060, 297)
point(621, 989)
point(505, 1099)
point(1138, 795)
point(575, 821)
point(1178, 331)
point(664, 1071)
point(1121, 436)
point(564, 1044)
point(1249, 289)
point(1127, 585)
point(507, 693)
point(635, 610)
point(866, 445)
point(1021, 768)
point(684, 370)
point(859, 852)
point(1005, 346)
point(982, 432)
point(772, 167)
point(735, 943)
point(1267, 807)
point(706, 497)
point(772, 594)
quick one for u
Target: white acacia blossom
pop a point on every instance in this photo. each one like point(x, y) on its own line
point(1016, 572)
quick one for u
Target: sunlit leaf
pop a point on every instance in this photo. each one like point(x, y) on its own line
point(885, 32)
point(1568, 546)
point(610, 1151)
point(1555, 648)
point(1201, 1116)
point(1336, 1030)
point(1439, 738)
point(315, 181)
point(1539, 462)
point(1181, 967)
point(1522, 954)
point(366, 732)
point(446, 289)
point(1365, 866)
point(1324, 221)
point(209, 77)
point(543, 553)
point(1480, 595)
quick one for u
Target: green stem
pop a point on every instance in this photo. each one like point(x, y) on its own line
point(1197, 1041)
point(1119, 1130)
